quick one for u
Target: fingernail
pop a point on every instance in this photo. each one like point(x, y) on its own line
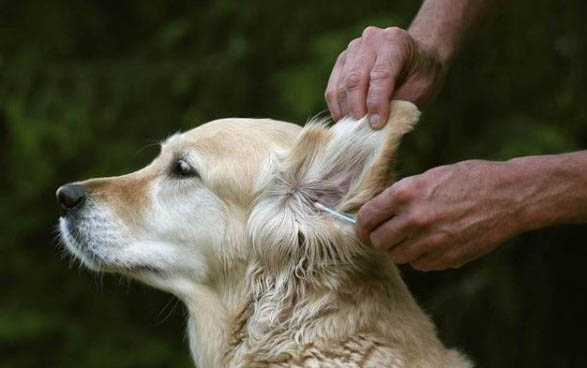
point(375, 121)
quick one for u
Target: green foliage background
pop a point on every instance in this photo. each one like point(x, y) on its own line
point(85, 86)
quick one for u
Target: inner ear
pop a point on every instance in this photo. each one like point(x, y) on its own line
point(346, 165)
point(338, 185)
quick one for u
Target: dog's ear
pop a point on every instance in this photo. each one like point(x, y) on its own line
point(345, 166)
point(341, 167)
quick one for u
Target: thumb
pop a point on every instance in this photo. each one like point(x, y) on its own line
point(382, 82)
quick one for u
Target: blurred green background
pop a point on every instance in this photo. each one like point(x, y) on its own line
point(86, 88)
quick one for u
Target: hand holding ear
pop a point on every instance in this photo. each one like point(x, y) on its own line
point(448, 215)
point(380, 65)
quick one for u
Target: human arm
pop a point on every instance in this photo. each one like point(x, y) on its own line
point(393, 63)
point(453, 214)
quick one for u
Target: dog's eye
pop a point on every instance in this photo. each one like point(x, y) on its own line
point(183, 169)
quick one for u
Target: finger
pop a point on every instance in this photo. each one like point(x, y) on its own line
point(466, 253)
point(408, 251)
point(433, 258)
point(428, 262)
point(392, 201)
point(441, 259)
point(384, 74)
point(389, 234)
point(352, 51)
point(331, 89)
point(374, 213)
point(357, 79)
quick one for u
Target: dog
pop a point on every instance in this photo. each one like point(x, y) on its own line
point(224, 219)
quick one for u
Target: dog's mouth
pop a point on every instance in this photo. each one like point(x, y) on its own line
point(75, 244)
point(93, 254)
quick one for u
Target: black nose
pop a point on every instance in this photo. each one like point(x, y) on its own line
point(70, 196)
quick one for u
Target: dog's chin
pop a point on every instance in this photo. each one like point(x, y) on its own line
point(74, 245)
point(92, 259)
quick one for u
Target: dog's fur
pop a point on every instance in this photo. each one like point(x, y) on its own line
point(268, 280)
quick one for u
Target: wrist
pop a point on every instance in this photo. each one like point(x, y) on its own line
point(520, 175)
point(442, 50)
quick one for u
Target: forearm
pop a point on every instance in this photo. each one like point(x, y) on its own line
point(553, 189)
point(441, 25)
point(462, 211)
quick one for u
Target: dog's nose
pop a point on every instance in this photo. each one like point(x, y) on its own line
point(70, 196)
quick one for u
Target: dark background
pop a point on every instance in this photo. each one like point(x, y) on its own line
point(86, 88)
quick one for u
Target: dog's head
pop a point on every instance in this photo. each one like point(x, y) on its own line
point(230, 191)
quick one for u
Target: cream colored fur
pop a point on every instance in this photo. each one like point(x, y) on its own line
point(268, 280)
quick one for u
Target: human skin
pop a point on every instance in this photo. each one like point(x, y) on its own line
point(452, 214)
point(449, 215)
point(394, 63)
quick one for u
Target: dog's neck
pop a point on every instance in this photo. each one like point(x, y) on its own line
point(257, 314)
point(207, 326)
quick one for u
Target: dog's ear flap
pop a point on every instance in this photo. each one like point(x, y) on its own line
point(345, 166)
point(341, 167)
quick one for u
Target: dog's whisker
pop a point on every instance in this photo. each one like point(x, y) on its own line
point(173, 302)
point(147, 146)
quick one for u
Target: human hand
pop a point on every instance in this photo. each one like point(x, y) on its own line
point(448, 215)
point(380, 65)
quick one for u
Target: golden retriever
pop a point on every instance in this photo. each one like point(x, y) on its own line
point(224, 219)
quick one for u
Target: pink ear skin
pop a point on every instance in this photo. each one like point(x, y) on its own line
point(337, 185)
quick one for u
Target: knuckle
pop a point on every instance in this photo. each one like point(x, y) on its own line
point(381, 73)
point(354, 43)
point(401, 43)
point(341, 93)
point(403, 192)
point(394, 34)
point(371, 31)
point(418, 219)
point(403, 195)
point(353, 80)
